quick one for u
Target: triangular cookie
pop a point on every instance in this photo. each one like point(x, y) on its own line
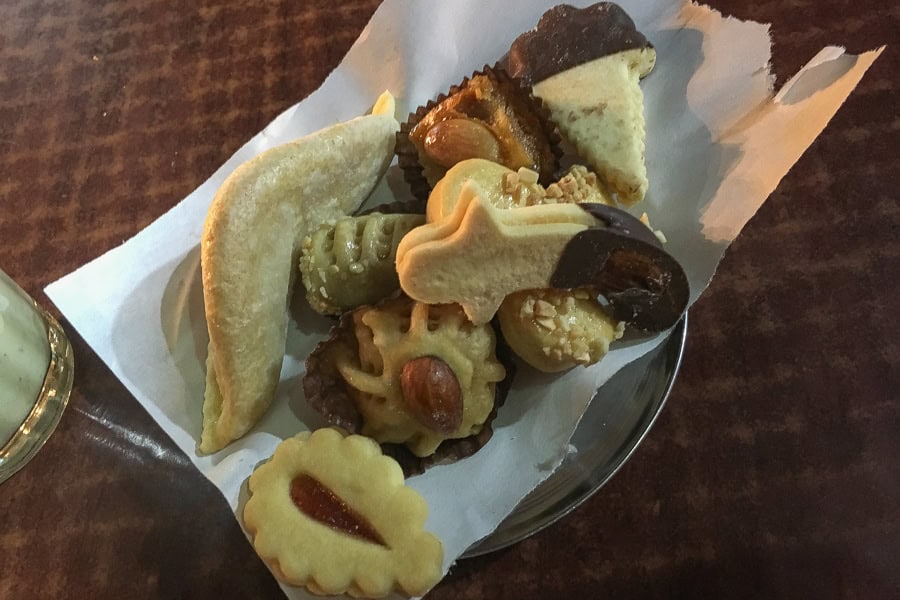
point(585, 63)
point(599, 108)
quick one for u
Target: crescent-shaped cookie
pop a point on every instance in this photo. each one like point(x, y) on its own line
point(251, 242)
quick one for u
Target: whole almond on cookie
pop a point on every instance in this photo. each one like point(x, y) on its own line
point(432, 393)
point(455, 140)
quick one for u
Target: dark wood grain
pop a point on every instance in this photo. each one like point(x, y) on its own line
point(773, 472)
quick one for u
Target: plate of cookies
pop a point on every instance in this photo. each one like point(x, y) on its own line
point(501, 258)
point(436, 305)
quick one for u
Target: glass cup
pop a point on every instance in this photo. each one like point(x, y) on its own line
point(36, 368)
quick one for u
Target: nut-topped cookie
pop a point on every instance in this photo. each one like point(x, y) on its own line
point(350, 262)
point(556, 330)
point(407, 373)
point(488, 116)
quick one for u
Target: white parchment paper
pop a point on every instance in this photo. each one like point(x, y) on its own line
point(718, 142)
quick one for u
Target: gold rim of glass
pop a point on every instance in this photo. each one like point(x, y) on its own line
point(48, 407)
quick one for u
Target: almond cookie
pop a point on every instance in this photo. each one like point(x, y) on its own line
point(488, 115)
point(415, 374)
point(332, 513)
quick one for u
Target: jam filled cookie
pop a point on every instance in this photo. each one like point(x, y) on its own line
point(332, 513)
point(416, 375)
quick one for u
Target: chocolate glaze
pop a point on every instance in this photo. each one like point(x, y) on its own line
point(640, 283)
point(622, 222)
point(566, 37)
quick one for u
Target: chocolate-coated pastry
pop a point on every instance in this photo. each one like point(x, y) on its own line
point(586, 65)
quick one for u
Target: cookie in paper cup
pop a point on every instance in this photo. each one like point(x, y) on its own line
point(420, 379)
point(489, 115)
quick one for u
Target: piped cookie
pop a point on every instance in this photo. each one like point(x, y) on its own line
point(410, 375)
point(350, 262)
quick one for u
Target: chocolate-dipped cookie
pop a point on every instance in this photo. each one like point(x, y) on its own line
point(585, 64)
point(477, 249)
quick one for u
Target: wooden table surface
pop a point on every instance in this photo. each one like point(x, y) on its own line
point(773, 472)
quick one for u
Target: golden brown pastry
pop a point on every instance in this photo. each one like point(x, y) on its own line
point(489, 116)
point(555, 330)
point(414, 374)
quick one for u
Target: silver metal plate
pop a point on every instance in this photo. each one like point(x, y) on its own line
point(617, 419)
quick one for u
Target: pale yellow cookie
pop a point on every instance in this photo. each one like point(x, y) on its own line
point(332, 513)
point(249, 250)
point(478, 254)
point(599, 108)
point(422, 374)
point(351, 262)
point(555, 330)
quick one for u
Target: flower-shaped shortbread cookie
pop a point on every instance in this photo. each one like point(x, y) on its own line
point(332, 513)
